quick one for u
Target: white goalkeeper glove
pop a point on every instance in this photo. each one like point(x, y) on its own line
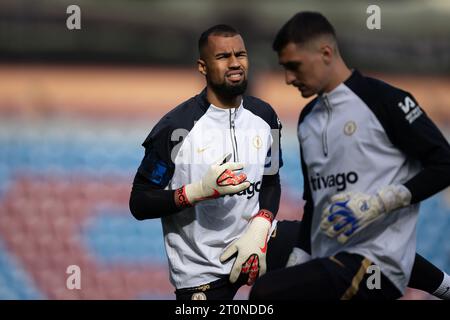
point(297, 256)
point(251, 249)
point(350, 212)
point(219, 180)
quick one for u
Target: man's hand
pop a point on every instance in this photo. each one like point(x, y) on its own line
point(251, 249)
point(220, 179)
point(350, 212)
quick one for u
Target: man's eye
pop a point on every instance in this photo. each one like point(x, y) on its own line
point(292, 67)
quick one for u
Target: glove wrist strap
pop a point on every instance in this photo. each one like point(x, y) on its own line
point(266, 214)
point(181, 199)
point(394, 196)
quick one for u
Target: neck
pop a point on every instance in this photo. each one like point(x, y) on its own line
point(223, 102)
point(340, 73)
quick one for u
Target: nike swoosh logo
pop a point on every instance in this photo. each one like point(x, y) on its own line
point(264, 249)
point(200, 150)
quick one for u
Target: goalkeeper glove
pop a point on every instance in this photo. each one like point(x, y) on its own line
point(219, 180)
point(350, 212)
point(297, 256)
point(251, 249)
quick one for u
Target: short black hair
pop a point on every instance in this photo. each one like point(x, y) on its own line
point(301, 28)
point(223, 30)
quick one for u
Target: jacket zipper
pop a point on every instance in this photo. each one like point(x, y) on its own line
point(233, 137)
point(325, 131)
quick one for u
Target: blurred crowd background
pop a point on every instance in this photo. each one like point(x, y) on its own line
point(75, 106)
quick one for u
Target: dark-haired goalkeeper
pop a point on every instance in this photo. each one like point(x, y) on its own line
point(378, 142)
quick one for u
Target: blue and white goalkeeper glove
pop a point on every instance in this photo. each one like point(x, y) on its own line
point(350, 212)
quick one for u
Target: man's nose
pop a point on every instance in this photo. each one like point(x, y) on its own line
point(234, 62)
point(289, 77)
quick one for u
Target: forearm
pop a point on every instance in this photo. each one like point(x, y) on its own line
point(304, 236)
point(301, 252)
point(148, 202)
point(429, 181)
point(270, 193)
point(422, 141)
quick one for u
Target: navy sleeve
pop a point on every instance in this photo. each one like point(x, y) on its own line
point(157, 166)
point(274, 159)
point(304, 237)
point(413, 132)
point(149, 202)
point(148, 199)
point(270, 193)
point(269, 196)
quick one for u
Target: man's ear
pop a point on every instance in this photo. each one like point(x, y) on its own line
point(201, 66)
point(327, 53)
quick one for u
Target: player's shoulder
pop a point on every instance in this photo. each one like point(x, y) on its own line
point(184, 115)
point(261, 109)
point(386, 91)
point(376, 91)
point(251, 101)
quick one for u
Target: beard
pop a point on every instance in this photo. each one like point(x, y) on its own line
point(228, 90)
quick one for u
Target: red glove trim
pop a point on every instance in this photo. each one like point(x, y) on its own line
point(181, 200)
point(266, 214)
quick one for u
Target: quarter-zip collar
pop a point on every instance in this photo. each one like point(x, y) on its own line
point(222, 114)
point(340, 93)
point(216, 112)
point(328, 100)
point(329, 113)
point(335, 96)
point(227, 117)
